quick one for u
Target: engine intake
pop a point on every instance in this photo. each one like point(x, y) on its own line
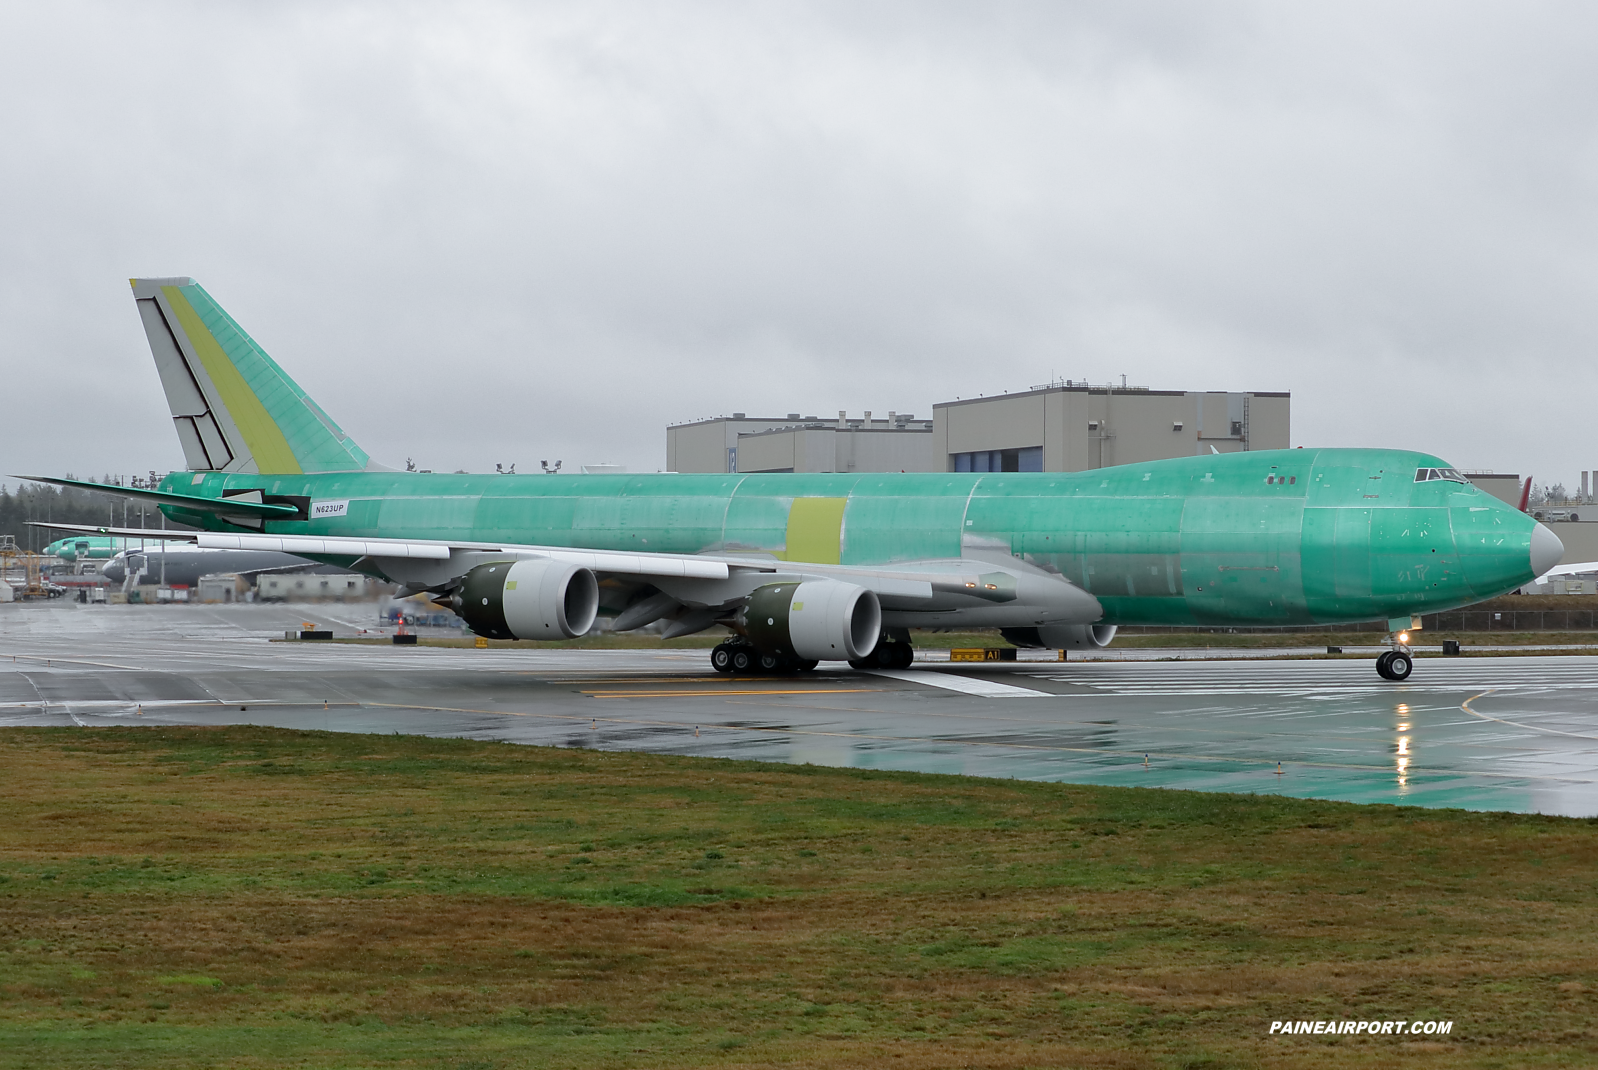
point(534, 598)
point(817, 620)
point(1062, 636)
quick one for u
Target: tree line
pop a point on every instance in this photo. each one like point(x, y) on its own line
point(66, 505)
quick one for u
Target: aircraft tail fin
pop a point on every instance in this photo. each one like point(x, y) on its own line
point(234, 409)
point(1525, 496)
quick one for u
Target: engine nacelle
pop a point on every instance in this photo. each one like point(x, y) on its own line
point(535, 598)
point(1062, 636)
point(817, 620)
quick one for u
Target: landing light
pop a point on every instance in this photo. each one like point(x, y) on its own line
point(1403, 637)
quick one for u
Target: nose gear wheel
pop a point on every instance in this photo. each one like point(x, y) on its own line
point(1395, 665)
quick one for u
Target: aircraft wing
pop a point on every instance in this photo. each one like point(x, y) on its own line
point(696, 580)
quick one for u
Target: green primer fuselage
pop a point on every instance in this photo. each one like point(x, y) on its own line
point(94, 547)
point(1260, 538)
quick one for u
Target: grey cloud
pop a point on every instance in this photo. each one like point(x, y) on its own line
point(482, 233)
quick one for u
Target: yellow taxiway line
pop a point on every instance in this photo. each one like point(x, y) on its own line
point(712, 694)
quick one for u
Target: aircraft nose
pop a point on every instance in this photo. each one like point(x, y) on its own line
point(1546, 549)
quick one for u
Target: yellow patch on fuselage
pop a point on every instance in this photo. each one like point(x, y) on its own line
point(815, 530)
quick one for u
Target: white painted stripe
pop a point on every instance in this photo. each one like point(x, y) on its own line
point(966, 685)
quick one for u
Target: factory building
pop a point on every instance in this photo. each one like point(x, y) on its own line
point(1073, 427)
point(1505, 486)
point(899, 443)
point(1058, 427)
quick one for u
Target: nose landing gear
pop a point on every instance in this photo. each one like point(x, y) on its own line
point(1396, 664)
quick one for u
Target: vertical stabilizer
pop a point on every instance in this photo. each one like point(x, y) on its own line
point(234, 409)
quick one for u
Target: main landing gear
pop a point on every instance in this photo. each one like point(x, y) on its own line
point(890, 654)
point(1396, 664)
point(738, 656)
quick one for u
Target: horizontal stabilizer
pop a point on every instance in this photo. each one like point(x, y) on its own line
point(224, 507)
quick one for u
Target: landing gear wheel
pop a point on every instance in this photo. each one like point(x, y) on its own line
point(1399, 665)
point(721, 658)
point(772, 664)
point(887, 656)
point(1395, 665)
point(742, 660)
point(1381, 665)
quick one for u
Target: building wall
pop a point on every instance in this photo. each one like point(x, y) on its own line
point(1213, 424)
point(302, 587)
point(774, 452)
point(1580, 538)
point(832, 450)
point(995, 424)
point(885, 451)
point(703, 446)
point(1081, 428)
point(698, 447)
point(1270, 422)
point(1076, 428)
point(1505, 487)
point(222, 587)
point(1135, 428)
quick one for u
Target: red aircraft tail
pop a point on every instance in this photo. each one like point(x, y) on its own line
point(1525, 496)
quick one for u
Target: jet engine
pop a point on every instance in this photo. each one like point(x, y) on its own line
point(534, 598)
point(817, 620)
point(1062, 636)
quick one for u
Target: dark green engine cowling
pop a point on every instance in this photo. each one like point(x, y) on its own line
point(816, 620)
point(534, 598)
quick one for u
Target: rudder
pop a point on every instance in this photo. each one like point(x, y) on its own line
point(233, 408)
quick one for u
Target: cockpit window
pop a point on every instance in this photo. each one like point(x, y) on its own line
point(1423, 474)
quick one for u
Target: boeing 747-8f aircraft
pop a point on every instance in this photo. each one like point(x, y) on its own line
point(809, 568)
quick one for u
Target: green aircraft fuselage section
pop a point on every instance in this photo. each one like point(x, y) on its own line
point(1274, 537)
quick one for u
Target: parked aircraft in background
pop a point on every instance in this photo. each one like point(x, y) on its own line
point(183, 564)
point(807, 568)
point(76, 548)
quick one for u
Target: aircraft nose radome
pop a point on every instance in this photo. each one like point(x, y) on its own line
point(1546, 549)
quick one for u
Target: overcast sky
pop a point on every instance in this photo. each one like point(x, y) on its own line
point(505, 233)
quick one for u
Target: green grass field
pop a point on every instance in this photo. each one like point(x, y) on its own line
point(254, 898)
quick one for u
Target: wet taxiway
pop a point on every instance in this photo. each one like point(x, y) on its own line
point(1511, 733)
